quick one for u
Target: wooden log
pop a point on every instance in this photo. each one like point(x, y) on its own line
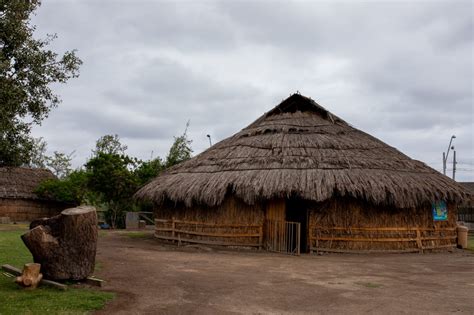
point(65, 245)
point(10, 269)
point(16, 272)
point(55, 284)
point(30, 276)
point(94, 281)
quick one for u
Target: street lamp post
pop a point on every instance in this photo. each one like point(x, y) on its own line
point(445, 156)
point(210, 142)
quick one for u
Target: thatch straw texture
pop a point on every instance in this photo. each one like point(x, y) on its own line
point(300, 149)
point(21, 182)
point(469, 199)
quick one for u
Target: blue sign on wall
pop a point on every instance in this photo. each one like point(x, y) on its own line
point(440, 211)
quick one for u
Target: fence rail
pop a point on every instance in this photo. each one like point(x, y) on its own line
point(248, 235)
point(418, 236)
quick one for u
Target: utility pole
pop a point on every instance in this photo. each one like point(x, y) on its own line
point(454, 165)
point(445, 156)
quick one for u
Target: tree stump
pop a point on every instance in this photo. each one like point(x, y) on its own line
point(30, 277)
point(65, 245)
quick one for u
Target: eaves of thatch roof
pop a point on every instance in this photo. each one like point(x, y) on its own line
point(469, 186)
point(21, 182)
point(301, 149)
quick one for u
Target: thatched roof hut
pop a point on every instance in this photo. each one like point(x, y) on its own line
point(21, 182)
point(301, 150)
point(18, 199)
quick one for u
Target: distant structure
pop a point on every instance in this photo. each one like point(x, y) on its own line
point(301, 179)
point(18, 200)
point(466, 211)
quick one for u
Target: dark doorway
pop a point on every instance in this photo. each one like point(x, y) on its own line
point(297, 211)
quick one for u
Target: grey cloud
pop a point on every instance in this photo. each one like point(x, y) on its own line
point(402, 71)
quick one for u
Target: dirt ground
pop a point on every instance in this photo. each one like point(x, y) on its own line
point(153, 278)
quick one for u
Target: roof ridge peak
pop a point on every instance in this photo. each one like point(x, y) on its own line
point(298, 102)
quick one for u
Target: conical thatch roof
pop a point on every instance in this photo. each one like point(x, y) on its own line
point(301, 149)
point(21, 182)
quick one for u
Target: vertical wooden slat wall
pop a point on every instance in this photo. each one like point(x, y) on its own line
point(276, 210)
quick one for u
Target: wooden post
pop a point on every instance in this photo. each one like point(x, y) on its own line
point(172, 227)
point(418, 240)
point(17, 272)
point(260, 237)
point(318, 234)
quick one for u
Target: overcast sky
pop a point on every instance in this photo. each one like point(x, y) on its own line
point(401, 71)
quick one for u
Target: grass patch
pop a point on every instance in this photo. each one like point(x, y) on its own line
point(103, 233)
point(470, 242)
point(43, 300)
point(138, 234)
point(12, 249)
point(370, 285)
point(14, 227)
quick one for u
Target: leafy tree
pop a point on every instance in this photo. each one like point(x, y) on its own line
point(60, 164)
point(180, 150)
point(38, 157)
point(110, 176)
point(71, 189)
point(147, 170)
point(109, 144)
point(27, 69)
point(110, 179)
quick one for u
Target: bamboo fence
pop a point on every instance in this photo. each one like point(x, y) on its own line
point(414, 239)
point(241, 235)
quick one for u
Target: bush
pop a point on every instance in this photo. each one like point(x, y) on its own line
point(72, 189)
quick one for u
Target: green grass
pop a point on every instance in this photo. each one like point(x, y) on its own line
point(102, 233)
point(43, 300)
point(470, 242)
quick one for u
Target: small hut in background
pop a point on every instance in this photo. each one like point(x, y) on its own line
point(18, 200)
point(300, 178)
point(466, 210)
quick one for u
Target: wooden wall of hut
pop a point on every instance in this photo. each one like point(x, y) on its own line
point(233, 223)
point(276, 210)
point(26, 210)
point(343, 225)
